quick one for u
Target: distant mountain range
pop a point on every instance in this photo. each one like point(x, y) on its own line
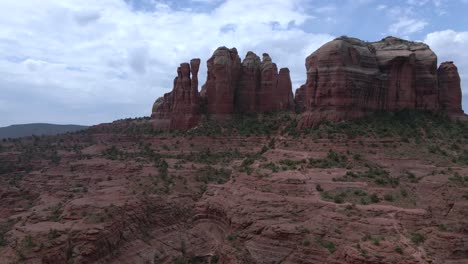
point(38, 129)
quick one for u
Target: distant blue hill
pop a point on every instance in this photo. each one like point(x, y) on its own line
point(38, 129)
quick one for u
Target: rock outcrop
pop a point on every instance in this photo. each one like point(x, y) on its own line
point(180, 108)
point(449, 88)
point(224, 69)
point(347, 77)
point(232, 86)
point(246, 99)
point(285, 99)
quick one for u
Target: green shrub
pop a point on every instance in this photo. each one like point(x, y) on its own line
point(388, 197)
point(245, 166)
point(417, 238)
point(458, 179)
point(271, 166)
point(319, 188)
point(232, 237)
point(209, 174)
point(443, 228)
point(288, 164)
point(327, 244)
point(56, 213)
point(399, 250)
point(375, 198)
point(113, 153)
point(53, 234)
point(332, 160)
point(4, 228)
point(28, 241)
point(404, 193)
point(338, 199)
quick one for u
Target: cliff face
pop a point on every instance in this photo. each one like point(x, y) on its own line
point(179, 109)
point(346, 78)
point(449, 88)
point(232, 86)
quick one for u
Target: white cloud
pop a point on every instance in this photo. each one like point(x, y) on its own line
point(91, 61)
point(450, 45)
point(325, 9)
point(417, 2)
point(83, 54)
point(86, 17)
point(406, 25)
point(381, 7)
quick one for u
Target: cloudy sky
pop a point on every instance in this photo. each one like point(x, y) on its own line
point(88, 61)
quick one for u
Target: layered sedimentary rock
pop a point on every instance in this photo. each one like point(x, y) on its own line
point(269, 79)
point(224, 71)
point(347, 77)
point(285, 99)
point(253, 86)
point(246, 99)
point(179, 109)
point(449, 88)
point(262, 89)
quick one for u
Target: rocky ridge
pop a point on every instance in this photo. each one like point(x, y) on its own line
point(346, 78)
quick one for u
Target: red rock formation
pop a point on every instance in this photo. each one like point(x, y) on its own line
point(341, 80)
point(224, 69)
point(251, 87)
point(179, 109)
point(411, 74)
point(347, 77)
point(261, 88)
point(449, 88)
point(285, 99)
point(250, 82)
point(267, 94)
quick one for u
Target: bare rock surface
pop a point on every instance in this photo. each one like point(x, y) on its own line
point(232, 86)
point(449, 88)
point(180, 108)
point(348, 78)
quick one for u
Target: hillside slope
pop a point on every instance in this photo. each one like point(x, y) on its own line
point(390, 188)
point(38, 129)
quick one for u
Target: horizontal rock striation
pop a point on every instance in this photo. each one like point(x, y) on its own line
point(232, 86)
point(346, 78)
point(179, 109)
point(449, 88)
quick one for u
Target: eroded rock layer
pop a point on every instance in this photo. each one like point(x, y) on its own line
point(347, 77)
point(179, 109)
point(449, 88)
point(232, 86)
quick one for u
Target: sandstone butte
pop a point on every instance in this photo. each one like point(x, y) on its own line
point(346, 78)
